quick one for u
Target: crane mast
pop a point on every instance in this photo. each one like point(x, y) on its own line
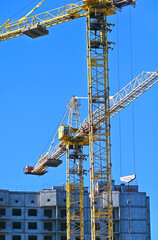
point(99, 139)
point(74, 186)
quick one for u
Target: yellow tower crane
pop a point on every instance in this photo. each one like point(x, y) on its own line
point(95, 131)
point(71, 142)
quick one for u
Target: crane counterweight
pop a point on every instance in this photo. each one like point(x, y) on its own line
point(35, 31)
point(52, 162)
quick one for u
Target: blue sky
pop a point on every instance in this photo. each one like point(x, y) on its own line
point(39, 76)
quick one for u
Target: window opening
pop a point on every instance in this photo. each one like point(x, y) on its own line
point(32, 225)
point(63, 213)
point(2, 225)
point(2, 237)
point(16, 212)
point(16, 225)
point(48, 213)
point(2, 211)
point(32, 212)
point(62, 226)
point(47, 237)
point(48, 226)
point(16, 237)
point(32, 237)
point(63, 238)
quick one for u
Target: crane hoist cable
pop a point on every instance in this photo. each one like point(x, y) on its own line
point(21, 19)
point(118, 69)
point(133, 112)
point(22, 9)
point(57, 127)
point(55, 130)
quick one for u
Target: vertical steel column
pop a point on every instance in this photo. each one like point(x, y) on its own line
point(75, 210)
point(99, 138)
point(75, 157)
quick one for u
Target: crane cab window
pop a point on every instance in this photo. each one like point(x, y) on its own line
point(63, 132)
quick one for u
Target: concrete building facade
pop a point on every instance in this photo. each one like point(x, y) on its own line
point(42, 215)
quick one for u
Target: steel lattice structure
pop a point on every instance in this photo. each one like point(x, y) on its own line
point(74, 190)
point(95, 130)
point(99, 138)
point(47, 19)
point(117, 103)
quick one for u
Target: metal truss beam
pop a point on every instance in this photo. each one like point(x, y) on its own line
point(117, 103)
point(46, 19)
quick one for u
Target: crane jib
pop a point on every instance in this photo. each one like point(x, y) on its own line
point(117, 103)
point(30, 25)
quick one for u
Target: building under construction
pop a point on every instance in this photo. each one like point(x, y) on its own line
point(42, 215)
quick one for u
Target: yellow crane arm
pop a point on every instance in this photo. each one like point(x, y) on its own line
point(4, 24)
point(36, 25)
point(117, 102)
point(39, 22)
